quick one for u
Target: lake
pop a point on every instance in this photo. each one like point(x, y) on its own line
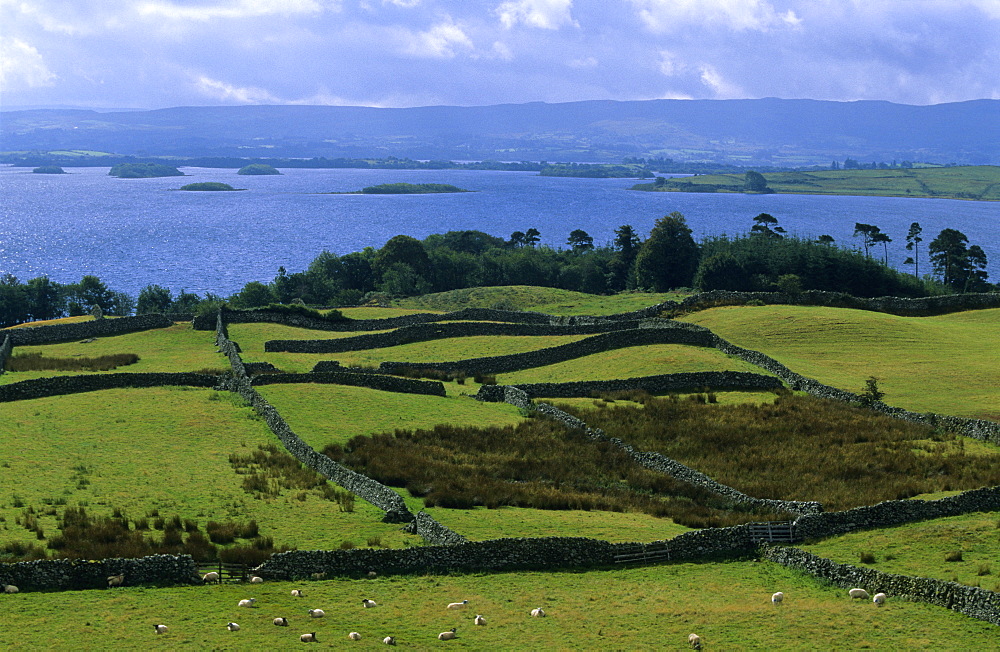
point(136, 232)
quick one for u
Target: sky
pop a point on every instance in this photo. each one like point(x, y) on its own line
point(400, 53)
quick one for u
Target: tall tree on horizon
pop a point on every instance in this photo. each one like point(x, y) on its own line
point(913, 241)
point(669, 258)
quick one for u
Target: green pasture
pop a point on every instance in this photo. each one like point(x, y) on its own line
point(652, 608)
point(924, 549)
point(173, 349)
point(553, 301)
point(333, 414)
point(377, 312)
point(631, 362)
point(945, 364)
point(162, 448)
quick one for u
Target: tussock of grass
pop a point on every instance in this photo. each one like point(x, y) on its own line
point(801, 448)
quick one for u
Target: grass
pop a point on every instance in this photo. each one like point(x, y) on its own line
point(925, 364)
point(552, 301)
point(727, 604)
point(631, 362)
point(333, 414)
point(162, 448)
point(923, 549)
point(50, 322)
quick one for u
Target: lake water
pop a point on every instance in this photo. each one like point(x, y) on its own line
point(135, 232)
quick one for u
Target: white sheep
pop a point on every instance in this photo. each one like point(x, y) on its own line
point(233, 627)
point(458, 605)
point(354, 636)
point(281, 622)
point(538, 612)
point(777, 597)
point(694, 641)
point(858, 593)
point(160, 629)
point(10, 588)
point(210, 577)
point(248, 603)
point(116, 580)
point(879, 599)
point(389, 640)
point(296, 593)
point(449, 635)
point(308, 638)
point(372, 575)
point(369, 603)
point(316, 613)
point(256, 580)
point(479, 620)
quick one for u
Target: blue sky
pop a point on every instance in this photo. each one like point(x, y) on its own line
point(398, 53)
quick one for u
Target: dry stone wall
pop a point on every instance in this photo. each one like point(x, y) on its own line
point(432, 531)
point(59, 385)
point(373, 381)
point(75, 574)
point(659, 384)
point(86, 329)
point(6, 347)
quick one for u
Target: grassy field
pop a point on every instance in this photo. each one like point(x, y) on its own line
point(551, 301)
point(927, 364)
point(654, 608)
point(980, 182)
point(925, 548)
point(631, 362)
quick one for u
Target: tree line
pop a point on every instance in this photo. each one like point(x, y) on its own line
point(765, 258)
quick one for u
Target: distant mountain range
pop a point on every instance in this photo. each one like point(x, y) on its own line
point(771, 132)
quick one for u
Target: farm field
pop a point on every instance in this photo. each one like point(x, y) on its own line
point(652, 608)
point(926, 364)
point(552, 301)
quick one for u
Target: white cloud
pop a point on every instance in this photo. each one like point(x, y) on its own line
point(544, 14)
point(669, 15)
point(501, 51)
point(21, 66)
point(723, 90)
point(220, 90)
point(584, 62)
point(231, 9)
point(439, 42)
point(405, 4)
point(46, 21)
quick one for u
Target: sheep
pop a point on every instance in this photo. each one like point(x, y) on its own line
point(777, 597)
point(248, 603)
point(281, 622)
point(354, 636)
point(389, 640)
point(538, 612)
point(458, 605)
point(10, 588)
point(879, 599)
point(160, 629)
point(233, 627)
point(210, 577)
point(319, 576)
point(479, 620)
point(256, 580)
point(296, 593)
point(372, 575)
point(369, 603)
point(449, 635)
point(694, 641)
point(316, 613)
point(858, 593)
point(308, 638)
point(116, 580)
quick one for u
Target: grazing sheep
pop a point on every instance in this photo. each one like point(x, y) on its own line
point(316, 613)
point(281, 622)
point(447, 636)
point(369, 603)
point(458, 605)
point(879, 599)
point(256, 580)
point(479, 620)
point(354, 636)
point(248, 602)
point(372, 575)
point(10, 588)
point(777, 597)
point(308, 638)
point(858, 593)
point(116, 580)
point(389, 640)
point(233, 627)
point(210, 577)
point(296, 593)
point(538, 612)
point(160, 629)
point(694, 641)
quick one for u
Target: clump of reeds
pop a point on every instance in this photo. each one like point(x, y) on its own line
point(35, 361)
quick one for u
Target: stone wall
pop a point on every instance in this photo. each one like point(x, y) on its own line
point(6, 347)
point(372, 381)
point(86, 329)
point(968, 600)
point(58, 385)
point(73, 574)
point(659, 384)
point(433, 532)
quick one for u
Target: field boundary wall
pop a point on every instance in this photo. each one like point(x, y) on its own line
point(658, 384)
point(76, 574)
point(32, 335)
point(5, 350)
point(60, 385)
point(968, 600)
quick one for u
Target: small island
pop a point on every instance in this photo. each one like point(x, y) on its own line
point(258, 169)
point(209, 186)
point(144, 171)
point(408, 189)
point(49, 169)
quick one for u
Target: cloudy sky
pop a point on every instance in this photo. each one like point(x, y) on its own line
point(398, 53)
